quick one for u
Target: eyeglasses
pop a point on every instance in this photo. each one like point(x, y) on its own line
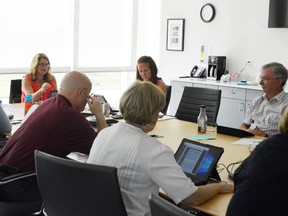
point(265, 79)
point(43, 65)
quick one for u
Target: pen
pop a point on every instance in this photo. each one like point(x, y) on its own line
point(157, 136)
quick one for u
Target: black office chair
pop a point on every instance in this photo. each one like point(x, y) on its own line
point(15, 91)
point(10, 187)
point(168, 96)
point(73, 188)
point(160, 206)
point(193, 97)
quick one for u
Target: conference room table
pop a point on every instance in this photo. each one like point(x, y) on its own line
point(171, 131)
point(174, 130)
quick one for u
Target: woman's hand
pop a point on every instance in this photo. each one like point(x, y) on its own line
point(45, 86)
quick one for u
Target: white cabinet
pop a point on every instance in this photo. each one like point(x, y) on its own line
point(176, 94)
point(234, 99)
point(232, 107)
point(250, 94)
point(205, 86)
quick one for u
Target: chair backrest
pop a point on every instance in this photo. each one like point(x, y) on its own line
point(19, 193)
point(15, 91)
point(73, 188)
point(193, 97)
point(160, 206)
point(168, 96)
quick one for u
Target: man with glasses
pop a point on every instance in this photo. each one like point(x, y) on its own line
point(56, 127)
point(263, 114)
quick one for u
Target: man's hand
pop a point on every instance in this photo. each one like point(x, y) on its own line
point(257, 131)
point(95, 106)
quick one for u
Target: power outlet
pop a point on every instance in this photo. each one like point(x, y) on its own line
point(248, 63)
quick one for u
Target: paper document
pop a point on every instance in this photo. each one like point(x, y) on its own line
point(77, 156)
point(248, 142)
point(165, 117)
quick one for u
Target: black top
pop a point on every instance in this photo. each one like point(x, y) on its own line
point(261, 183)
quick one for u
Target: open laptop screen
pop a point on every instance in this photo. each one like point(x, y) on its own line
point(198, 160)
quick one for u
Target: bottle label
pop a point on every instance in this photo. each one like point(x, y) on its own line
point(201, 126)
point(28, 103)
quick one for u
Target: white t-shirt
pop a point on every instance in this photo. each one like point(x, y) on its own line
point(144, 164)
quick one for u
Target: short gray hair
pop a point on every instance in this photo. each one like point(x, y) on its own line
point(278, 70)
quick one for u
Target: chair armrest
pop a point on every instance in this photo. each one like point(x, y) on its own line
point(16, 177)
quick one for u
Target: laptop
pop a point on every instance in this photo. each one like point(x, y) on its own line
point(233, 131)
point(198, 161)
point(103, 100)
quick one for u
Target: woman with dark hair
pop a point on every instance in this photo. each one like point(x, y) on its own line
point(39, 80)
point(147, 71)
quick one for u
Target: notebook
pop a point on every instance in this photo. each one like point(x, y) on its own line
point(233, 131)
point(198, 161)
point(92, 121)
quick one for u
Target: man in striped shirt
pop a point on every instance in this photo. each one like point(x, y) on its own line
point(263, 114)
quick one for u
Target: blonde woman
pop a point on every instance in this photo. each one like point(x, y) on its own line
point(145, 164)
point(39, 80)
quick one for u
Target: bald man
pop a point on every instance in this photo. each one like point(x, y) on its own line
point(56, 127)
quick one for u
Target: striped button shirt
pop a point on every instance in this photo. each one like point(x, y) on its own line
point(265, 114)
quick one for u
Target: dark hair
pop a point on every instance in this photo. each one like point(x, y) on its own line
point(278, 70)
point(152, 66)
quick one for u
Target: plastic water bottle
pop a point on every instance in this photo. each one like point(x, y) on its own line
point(202, 120)
point(28, 103)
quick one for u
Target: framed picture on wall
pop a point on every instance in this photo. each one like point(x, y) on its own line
point(175, 34)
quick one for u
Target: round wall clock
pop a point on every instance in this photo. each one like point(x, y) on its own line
point(207, 12)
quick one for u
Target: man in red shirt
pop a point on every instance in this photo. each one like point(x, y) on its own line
point(56, 127)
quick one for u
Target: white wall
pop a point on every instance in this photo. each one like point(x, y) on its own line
point(239, 31)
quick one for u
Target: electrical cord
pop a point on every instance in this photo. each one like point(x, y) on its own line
point(248, 62)
point(229, 168)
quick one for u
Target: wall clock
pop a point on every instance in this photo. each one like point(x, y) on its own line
point(207, 12)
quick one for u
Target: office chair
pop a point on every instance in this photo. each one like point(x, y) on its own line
point(168, 96)
point(193, 97)
point(160, 206)
point(10, 185)
point(73, 188)
point(15, 91)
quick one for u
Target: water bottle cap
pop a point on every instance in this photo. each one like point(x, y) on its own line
point(28, 98)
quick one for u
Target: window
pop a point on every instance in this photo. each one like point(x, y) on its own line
point(33, 26)
point(94, 36)
point(105, 33)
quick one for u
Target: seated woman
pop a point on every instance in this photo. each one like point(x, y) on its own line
point(147, 71)
point(144, 164)
point(38, 81)
point(261, 180)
